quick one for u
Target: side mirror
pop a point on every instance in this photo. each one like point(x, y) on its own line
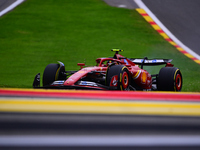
point(81, 65)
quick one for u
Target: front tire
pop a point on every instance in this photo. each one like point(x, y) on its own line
point(50, 74)
point(118, 76)
point(169, 79)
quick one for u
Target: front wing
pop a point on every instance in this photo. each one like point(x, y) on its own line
point(80, 85)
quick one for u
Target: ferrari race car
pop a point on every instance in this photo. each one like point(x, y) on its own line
point(113, 73)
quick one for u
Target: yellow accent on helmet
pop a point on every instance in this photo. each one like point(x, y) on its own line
point(117, 50)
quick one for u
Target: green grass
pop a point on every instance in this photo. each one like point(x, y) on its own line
point(37, 33)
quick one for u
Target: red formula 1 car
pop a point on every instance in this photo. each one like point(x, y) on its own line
point(113, 73)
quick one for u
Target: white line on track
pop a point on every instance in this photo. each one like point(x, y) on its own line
point(100, 140)
point(187, 49)
point(11, 7)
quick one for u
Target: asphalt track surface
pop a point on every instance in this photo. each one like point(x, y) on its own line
point(129, 4)
point(5, 3)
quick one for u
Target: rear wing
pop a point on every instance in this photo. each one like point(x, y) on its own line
point(150, 62)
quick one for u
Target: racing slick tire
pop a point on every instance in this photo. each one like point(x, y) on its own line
point(118, 76)
point(49, 75)
point(169, 79)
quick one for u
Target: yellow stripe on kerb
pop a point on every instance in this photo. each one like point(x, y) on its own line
point(180, 49)
point(164, 35)
point(173, 43)
point(156, 27)
point(141, 11)
point(197, 61)
point(99, 107)
point(189, 55)
point(148, 19)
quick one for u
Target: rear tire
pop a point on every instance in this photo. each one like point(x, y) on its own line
point(118, 76)
point(49, 75)
point(169, 79)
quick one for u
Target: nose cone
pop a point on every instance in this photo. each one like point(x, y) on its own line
point(69, 82)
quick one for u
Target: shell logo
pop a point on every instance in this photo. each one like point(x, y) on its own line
point(144, 77)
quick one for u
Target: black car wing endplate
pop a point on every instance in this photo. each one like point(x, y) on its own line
point(36, 82)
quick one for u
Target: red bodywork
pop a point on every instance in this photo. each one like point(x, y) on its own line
point(140, 76)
